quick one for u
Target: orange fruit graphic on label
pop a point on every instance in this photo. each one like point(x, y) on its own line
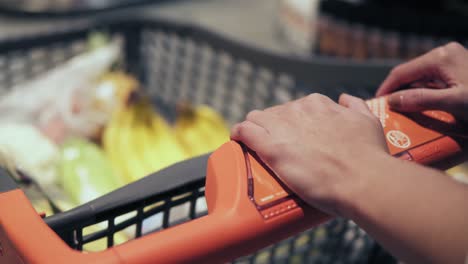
point(398, 139)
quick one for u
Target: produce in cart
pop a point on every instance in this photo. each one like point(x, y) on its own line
point(139, 141)
point(200, 129)
point(64, 101)
point(85, 172)
point(30, 150)
point(85, 128)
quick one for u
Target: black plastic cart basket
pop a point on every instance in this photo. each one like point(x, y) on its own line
point(175, 61)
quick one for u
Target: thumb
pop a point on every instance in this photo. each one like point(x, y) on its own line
point(354, 103)
point(415, 100)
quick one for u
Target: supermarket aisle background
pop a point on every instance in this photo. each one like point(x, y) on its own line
point(250, 21)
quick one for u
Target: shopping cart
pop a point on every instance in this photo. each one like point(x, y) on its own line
point(176, 62)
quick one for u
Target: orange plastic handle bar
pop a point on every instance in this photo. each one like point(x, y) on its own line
point(235, 226)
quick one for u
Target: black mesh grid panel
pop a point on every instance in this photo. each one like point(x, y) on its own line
point(178, 68)
point(22, 65)
point(178, 65)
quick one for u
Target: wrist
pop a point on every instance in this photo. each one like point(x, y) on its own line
point(363, 175)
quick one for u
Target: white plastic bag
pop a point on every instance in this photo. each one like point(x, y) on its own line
point(62, 98)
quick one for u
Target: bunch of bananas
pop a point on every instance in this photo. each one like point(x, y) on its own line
point(138, 141)
point(200, 129)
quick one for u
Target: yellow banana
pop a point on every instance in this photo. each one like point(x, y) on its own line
point(130, 140)
point(115, 134)
point(144, 133)
point(200, 130)
point(162, 148)
point(165, 143)
point(111, 145)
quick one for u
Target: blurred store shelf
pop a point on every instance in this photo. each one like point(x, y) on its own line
point(249, 21)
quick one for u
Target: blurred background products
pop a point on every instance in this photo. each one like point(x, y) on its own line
point(58, 6)
point(371, 29)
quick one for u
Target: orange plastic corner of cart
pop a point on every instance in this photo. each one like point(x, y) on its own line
point(25, 238)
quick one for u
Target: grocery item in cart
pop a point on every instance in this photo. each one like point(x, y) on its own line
point(85, 172)
point(64, 100)
point(30, 150)
point(139, 141)
point(200, 129)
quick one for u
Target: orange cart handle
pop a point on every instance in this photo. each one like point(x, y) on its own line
point(249, 208)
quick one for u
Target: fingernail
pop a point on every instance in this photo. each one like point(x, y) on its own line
point(395, 100)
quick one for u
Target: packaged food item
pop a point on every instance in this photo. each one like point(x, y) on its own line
point(428, 138)
point(392, 44)
point(412, 46)
point(325, 37)
point(63, 98)
point(343, 36)
point(375, 43)
point(359, 44)
point(389, 30)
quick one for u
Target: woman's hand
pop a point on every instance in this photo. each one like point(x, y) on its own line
point(335, 158)
point(437, 80)
point(321, 150)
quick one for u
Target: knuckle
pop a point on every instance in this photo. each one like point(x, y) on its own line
point(313, 96)
point(298, 106)
point(454, 47)
point(318, 101)
point(316, 97)
point(441, 53)
point(449, 52)
point(253, 115)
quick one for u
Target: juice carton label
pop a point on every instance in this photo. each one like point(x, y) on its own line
point(409, 131)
